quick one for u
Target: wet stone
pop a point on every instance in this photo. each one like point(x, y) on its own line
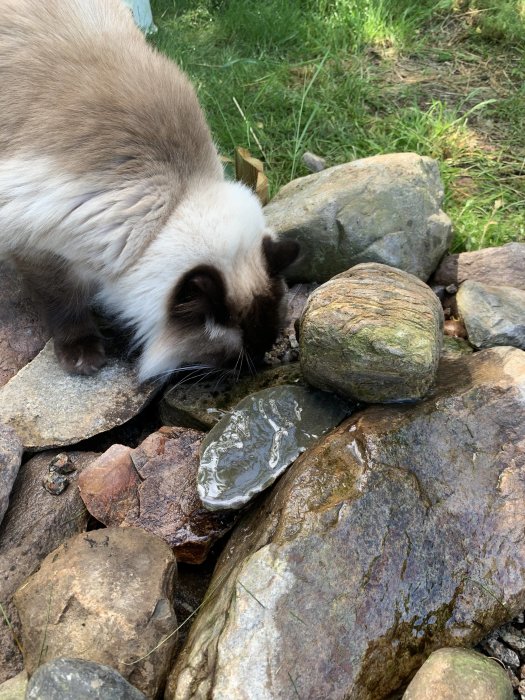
point(203, 404)
point(65, 679)
point(247, 450)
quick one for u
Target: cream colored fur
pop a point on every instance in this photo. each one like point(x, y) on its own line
point(78, 85)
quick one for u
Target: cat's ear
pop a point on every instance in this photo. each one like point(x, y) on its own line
point(199, 294)
point(279, 254)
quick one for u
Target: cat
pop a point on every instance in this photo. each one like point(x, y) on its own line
point(112, 193)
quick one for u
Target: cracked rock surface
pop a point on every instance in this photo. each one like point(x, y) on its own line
point(366, 556)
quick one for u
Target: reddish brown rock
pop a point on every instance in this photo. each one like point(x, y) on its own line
point(34, 525)
point(22, 336)
point(154, 487)
point(109, 486)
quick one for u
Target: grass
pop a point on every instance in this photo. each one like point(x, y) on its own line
point(352, 78)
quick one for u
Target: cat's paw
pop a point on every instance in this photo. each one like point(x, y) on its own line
point(83, 356)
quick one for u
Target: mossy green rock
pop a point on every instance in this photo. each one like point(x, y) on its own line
point(373, 334)
point(399, 532)
point(459, 674)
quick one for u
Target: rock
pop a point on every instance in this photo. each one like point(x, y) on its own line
point(513, 638)
point(11, 451)
point(373, 333)
point(203, 405)
point(384, 209)
point(14, 688)
point(455, 346)
point(502, 266)
point(400, 532)
point(154, 487)
point(314, 163)
point(21, 334)
point(492, 315)
point(103, 596)
point(49, 408)
point(64, 679)
point(497, 650)
point(451, 674)
point(246, 451)
point(286, 347)
point(35, 524)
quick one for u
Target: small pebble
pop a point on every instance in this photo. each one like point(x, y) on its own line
point(55, 483)
point(61, 464)
point(313, 162)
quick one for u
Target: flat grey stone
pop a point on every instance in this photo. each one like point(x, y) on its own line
point(50, 408)
point(246, 451)
point(384, 209)
point(11, 451)
point(77, 679)
point(492, 315)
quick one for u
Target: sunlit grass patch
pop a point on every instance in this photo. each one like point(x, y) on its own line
point(353, 78)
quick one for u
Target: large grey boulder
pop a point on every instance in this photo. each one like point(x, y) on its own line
point(373, 334)
point(492, 315)
point(50, 408)
point(400, 532)
point(384, 209)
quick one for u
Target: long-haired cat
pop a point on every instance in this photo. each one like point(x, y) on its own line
point(111, 191)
